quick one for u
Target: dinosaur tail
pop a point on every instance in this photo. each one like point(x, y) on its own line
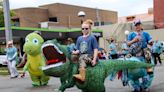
point(116, 65)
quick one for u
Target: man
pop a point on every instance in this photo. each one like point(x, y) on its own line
point(137, 41)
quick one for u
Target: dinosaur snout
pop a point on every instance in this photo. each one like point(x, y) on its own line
point(27, 48)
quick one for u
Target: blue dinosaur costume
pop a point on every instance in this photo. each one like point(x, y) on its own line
point(132, 76)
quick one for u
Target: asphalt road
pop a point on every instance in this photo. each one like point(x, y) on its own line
point(24, 84)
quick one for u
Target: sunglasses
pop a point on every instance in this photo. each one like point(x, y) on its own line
point(84, 28)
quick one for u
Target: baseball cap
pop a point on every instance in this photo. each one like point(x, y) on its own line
point(137, 22)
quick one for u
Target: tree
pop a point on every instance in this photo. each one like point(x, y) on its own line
point(2, 17)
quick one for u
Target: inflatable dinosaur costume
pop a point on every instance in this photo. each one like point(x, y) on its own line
point(134, 76)
point(35, 60)
point(59, 65)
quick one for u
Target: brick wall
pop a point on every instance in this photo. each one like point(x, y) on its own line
point(158, 13)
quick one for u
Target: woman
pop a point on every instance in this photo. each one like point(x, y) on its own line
point(11, 53)
point(87, 48)
point(113, 49)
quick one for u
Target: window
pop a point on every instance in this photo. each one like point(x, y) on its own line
point(16, 22)
point(130, 18)
point(102, 23)
point(97, 23)
point(53, 19)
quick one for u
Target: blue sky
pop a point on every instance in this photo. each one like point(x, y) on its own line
point(123, 7)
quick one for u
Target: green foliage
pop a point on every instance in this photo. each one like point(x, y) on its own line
point(2, 17)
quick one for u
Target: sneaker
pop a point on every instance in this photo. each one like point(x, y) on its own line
point(14, 77)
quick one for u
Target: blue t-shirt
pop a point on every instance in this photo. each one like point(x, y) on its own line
point(113, 51)
point(11, 53)
point(86, 45)
point(71, 47)
point(157, 47)
point(145, 36)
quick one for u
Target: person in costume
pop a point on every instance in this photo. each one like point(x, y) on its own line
point(137, 41)
point(35, 60)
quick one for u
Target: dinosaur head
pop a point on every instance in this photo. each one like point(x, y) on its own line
point(33, 43)
point(56, 58)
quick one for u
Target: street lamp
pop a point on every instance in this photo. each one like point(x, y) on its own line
point(81, 14)
point(127, 33)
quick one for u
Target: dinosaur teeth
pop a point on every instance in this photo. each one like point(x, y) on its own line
point(50, 44)
point(51, 66)
point(58, 49)
point(46, 45)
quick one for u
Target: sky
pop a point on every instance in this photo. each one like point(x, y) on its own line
point(123, 7)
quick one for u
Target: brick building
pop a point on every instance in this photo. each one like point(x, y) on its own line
point(158, 13)
point(60, 15)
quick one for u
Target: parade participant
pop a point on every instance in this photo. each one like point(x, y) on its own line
point(124, 48)
point(35, 59)
point(87, 47)
point(113, 49)
point(138, 41)
point(156, 51)
point(71, 47)
point(11, 53)
point(102, 54)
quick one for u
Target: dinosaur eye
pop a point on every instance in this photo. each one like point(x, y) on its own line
point(35, 41)
point(26, 40)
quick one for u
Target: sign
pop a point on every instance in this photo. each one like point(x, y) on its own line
point(97, 34)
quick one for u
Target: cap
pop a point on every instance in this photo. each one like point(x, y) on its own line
point(137, 22)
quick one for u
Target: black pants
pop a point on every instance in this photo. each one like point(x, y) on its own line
point(155, 56)
point(114, 56)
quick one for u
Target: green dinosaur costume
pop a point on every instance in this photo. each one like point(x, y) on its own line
point(59, 65)
point(35, 60)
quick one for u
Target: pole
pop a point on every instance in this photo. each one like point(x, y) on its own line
point(98, 17)
point(8, 31)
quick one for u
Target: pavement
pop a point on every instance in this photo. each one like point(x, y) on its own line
point(24, 84)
